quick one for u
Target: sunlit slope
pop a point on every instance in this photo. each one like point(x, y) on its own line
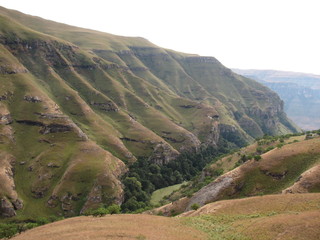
point(263, 217)
point(115, 227)
point(277, 170)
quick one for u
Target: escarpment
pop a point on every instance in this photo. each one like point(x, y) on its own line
point(77, 109)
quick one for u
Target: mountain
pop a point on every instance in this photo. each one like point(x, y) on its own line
point(79, 106)
point(299, 91)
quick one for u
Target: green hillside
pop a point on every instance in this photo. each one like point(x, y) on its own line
point(78, 106)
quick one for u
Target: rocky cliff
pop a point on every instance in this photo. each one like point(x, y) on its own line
point(297, 90)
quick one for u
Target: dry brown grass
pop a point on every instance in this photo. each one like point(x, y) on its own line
point(267, 217)
point(304, 226)
point(291, 216)
point(272, 158)
point(263, 205)
point(114, 227)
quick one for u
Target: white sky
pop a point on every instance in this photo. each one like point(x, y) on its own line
point(257, 34)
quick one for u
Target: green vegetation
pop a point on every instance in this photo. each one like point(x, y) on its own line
point(145, 177)
point(284, 174)
point(195, 206)
point(15, 226)
point(158, 195)
point(219, 227)
point(257, 157)
point(102, 211)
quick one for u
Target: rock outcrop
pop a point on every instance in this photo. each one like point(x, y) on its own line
point(163, 153)
point(9, 201)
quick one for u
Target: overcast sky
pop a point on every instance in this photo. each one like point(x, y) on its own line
point(256, 34)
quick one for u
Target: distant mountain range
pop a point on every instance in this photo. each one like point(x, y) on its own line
point(299, 91)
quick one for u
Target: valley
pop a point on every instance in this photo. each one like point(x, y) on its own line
point(111, 137)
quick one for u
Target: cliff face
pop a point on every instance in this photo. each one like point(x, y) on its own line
point(297, 90)
point(76, 104)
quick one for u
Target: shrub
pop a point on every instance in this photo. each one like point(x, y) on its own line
point(257, 157)
point(268, 149)
point(280, 145)
point(217, 172)
point(99, 212)
point(8, 230)
point(259, 150)
point(114, 209)
point(42, 220)
point(195, 206)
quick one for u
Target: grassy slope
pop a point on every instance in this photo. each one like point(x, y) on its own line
point(228, 162)
point(169, 70)
point(159, 194)
point(75, 175)
point(34, 151)
point(126, 94)
point(37, 151)
point(266, 217)
point(293, 167)
point(277, 170)
point(115, 227)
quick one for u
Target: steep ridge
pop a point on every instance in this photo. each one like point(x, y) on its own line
point(76, 104)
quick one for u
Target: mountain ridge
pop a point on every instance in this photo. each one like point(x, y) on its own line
point(77, 104)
